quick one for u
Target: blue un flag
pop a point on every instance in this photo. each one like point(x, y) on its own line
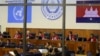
point(16, 14)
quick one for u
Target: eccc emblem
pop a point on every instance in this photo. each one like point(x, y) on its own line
point(52, 12)
point(18, 13)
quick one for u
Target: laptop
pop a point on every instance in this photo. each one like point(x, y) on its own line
point(43, 50)
point(60, 49)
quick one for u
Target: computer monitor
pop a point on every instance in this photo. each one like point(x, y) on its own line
point(79, 38)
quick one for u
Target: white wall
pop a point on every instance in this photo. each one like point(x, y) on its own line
point(39, 21)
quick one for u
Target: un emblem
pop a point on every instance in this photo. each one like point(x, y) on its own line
point(18, 12)
point(52, 12)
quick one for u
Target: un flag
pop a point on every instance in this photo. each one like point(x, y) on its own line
point(16, 14)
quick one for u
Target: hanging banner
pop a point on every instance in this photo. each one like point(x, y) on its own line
point(88, 14)
point(16, 14)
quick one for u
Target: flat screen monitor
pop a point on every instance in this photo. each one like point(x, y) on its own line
point(80, 39)
point(84, 39)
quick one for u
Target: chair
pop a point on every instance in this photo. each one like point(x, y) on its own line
point(6, 35)
point(12, 45)
point(59, 35)
point(33, 35)
point(47, 35)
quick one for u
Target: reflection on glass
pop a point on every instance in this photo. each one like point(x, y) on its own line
point(88, 1)
point(14, 1)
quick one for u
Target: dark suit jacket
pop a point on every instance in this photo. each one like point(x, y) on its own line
point(30, 46)
point(98, 54)
point(1, 44)
point(20, 46)
point(80, 52)
point(37, 54)
point(7, 45)
point(12, 45)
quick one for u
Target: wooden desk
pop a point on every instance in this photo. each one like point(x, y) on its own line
point(6, 50)
point(79, 55)
point(72, 45)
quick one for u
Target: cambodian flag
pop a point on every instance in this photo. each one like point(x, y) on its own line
point(87, 14)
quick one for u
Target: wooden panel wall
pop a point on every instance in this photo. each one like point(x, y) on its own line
point(80, 32)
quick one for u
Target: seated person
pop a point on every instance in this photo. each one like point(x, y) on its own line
point(18, 35)
point(29, 45)
point(92, 38)
point(30, 35)
point(37, 52)
point(80, 50)
point(28, 53)
point(57, 52)
point(20, 44)
point(16, 53)
point(1, 43)
point(50, 52)
point(59, 45)
point(50, 48)
point(98, 52)
point(53, 52)
point(41, 36)
point(7, 43)
point(71, 37)
point(54, 36)
point(66, 51)
point(47, 44)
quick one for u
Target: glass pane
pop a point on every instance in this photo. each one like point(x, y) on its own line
point(88, 1)
point(32, 1)
point(46, 17)
point(15, 1)
point(3, 2)
point(48, 1)
point(70, 1)
point(71, 17)
point(6, 15)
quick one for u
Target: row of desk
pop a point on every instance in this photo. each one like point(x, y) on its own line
point(72, 45)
